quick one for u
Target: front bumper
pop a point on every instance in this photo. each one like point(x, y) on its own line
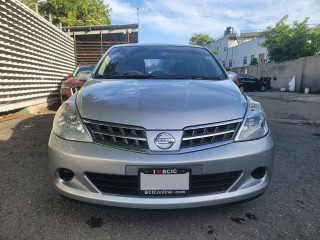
point(89, 157)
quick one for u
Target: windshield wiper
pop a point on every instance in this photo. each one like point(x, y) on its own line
point(116, 76)
point(121, 76)
point(206, 78)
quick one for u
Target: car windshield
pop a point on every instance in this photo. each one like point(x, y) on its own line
point(86, 69)
point(161, 62)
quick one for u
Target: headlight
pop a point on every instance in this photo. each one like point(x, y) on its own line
point(255, 123)
point(67, 123)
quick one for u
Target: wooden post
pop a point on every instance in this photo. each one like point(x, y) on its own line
point(75, 47)
point(127, 36)
point(101, 43)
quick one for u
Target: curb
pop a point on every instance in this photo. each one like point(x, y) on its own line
point(12, 117)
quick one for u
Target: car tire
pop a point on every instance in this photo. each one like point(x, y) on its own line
point(241, 87)
point(263, 88)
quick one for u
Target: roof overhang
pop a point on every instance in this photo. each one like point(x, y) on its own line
point(104, 29)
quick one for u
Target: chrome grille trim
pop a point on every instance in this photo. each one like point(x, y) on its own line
point(117, 135)
point(209, 134)
point(120, 135)
point(213, 124)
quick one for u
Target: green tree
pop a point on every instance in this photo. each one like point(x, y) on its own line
point(74, 12)
point(29, 3)
point(215, 52)
point(200, 39)
point(285, 42)
point(254, 61)
point(79, 12)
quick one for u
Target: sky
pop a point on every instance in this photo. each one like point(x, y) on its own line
point(175, 21)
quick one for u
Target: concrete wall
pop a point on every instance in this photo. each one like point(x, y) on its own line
point(305, 69)
point(35, 56)
point(281, 72)
point(311, 73)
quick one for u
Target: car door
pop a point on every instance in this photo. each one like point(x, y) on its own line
point(246, 82)
point(251, 82)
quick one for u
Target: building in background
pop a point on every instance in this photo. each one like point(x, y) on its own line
point(235, 50)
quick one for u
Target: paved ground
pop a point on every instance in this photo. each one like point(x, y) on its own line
point(290, 107)
point(290, 209)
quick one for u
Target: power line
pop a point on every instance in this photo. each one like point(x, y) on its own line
point(148, 10)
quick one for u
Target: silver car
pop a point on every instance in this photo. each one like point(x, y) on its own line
point(160, 126)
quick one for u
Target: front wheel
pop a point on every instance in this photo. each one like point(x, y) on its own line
point(263, 88)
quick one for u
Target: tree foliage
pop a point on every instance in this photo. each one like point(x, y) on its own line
point(254, 61)
point(200, 39)
point(29, 3)
point(285, 42)
point(74, 12)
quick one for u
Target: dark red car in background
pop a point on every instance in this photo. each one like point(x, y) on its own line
point(75, 81)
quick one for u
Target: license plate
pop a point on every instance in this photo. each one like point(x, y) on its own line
point(164, 181)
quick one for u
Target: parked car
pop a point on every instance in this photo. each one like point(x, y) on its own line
point(75, 81)
point(160, 126)
point(251, 83)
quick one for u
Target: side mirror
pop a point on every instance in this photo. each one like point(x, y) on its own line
point(83, 76)
point(67, 76)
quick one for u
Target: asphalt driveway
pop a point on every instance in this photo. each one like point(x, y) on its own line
point(290, 209)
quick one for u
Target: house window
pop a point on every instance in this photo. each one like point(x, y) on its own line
point(230, 63)
point(252, 57)
point(244, 60)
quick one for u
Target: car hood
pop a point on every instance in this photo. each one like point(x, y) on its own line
point(161, 104)
point(74, 81)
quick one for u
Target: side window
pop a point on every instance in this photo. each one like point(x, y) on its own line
point(210, 67)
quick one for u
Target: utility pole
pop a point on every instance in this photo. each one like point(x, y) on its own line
point(138, 15)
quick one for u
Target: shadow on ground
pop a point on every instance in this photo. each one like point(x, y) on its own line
point(31, 209)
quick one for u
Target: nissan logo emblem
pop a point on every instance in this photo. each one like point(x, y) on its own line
point(164, 140)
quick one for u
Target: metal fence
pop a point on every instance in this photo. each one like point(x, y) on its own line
point(35, 56)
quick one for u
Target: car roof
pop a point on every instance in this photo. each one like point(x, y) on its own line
point(245, 75)
point(156, 45)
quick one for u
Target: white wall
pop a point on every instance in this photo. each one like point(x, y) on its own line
point(221, 46)
point(238, 52)
point(34, 57)
point(246, 50)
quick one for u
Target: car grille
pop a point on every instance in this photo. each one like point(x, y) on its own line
point(128, 185)
point(209, 134)
point(116, 135)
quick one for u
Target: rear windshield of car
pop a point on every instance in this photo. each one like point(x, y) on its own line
point(161, 62)
point(86, 69)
